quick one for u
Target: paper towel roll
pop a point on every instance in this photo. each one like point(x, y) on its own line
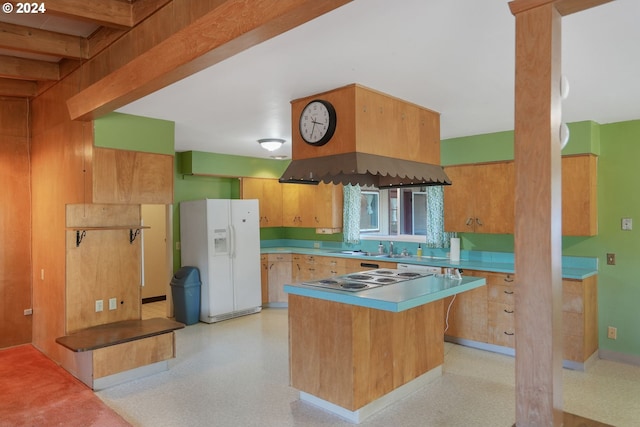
point(454, 255)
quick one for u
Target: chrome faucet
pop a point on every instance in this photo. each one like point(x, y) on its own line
point(390, 248)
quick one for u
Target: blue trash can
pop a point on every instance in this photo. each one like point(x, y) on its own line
point(185, 289)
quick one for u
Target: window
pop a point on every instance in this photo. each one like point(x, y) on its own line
point(404, 211)
point(369, 211)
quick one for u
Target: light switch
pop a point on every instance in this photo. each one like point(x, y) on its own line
point(113, 304)
point(627, 224)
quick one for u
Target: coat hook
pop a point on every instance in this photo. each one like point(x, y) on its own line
point(133, 235)
point(79, 237)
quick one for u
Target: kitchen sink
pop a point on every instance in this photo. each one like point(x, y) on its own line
point(372, 254)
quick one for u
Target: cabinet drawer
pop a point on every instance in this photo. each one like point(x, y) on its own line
point(279, 257)
point(501, 324)
point(501, 294)
point(505, 279)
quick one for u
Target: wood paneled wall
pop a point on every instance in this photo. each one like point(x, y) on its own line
point(61, 170)
point(15, 224)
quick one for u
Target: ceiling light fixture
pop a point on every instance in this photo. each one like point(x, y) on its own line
point(271, 144)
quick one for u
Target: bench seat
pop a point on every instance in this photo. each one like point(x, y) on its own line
point(110, 354)
point(117, 333)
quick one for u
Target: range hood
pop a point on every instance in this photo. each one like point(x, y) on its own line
point(365, 170)
point(379, 141)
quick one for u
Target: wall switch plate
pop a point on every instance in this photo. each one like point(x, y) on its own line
point(612, 333)
point(627, 224)
point(99, 305)
point(177, 246)
point(113, 303)
point(611, 259)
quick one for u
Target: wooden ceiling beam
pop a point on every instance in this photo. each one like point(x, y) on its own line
point(28, 69)
point(141, 9)
point(230, 27)
point(18, 88)
point(110, 13)
point(27, 39)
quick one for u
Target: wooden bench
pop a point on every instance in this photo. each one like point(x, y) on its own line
point(113, 353)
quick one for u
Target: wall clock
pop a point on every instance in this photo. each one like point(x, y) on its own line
point(317, 122)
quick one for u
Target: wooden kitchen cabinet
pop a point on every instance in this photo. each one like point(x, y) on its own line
point(580, 195)
point(467, 316)
point(580, 318)
point(132, 177)
point(269, 195)
point(313, 206)
point(501, 309)
point(279, 274)
point(480, 198)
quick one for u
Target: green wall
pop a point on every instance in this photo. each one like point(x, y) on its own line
point(617, 146)
point(135, 133)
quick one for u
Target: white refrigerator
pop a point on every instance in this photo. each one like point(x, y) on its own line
point(222, 239)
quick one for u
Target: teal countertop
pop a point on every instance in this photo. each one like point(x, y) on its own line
point(397, 297)
point(572, 267)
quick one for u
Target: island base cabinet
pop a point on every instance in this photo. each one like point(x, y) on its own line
point(351, 356)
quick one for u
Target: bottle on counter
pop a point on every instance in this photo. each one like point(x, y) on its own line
point(380, 248)
point(419, 251)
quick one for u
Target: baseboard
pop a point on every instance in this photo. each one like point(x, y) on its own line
point(614, 356)
point(154, 299)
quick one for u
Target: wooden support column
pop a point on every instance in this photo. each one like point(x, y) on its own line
point(538, 211)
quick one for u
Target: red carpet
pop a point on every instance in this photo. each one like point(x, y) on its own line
point(34, 391)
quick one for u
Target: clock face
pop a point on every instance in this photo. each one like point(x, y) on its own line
point(317, 122)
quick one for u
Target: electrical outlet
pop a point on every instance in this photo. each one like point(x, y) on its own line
point(99, 305)
point(177, 246)
point(612, 333)
point(316, 245)
point(627, 224)
point(113, 304)
point(611, 259)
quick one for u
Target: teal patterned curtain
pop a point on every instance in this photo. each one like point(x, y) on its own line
point(436, 236)
point(351, 214)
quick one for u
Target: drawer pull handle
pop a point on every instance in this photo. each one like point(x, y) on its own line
point(509, 333)
point(508, 311)
point(508, 279)
point(469, 222)
point(508, 292)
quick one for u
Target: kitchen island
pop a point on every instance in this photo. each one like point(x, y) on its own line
point(353, 353)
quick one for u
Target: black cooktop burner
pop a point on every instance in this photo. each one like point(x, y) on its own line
point(359, 277)
point(328, 281)
point(353, 285)
point(409, 274)
point(389, 272)
point(385, 280)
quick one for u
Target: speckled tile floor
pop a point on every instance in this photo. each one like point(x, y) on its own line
point(235, 373)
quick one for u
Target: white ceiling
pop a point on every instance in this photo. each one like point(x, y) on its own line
point(455, 57)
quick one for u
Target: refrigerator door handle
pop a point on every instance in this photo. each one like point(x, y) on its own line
point(232, 241)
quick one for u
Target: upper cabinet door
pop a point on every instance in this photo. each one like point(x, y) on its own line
point(269, 195)
point(580, 195)
point(480, 199)
point(132, 177)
